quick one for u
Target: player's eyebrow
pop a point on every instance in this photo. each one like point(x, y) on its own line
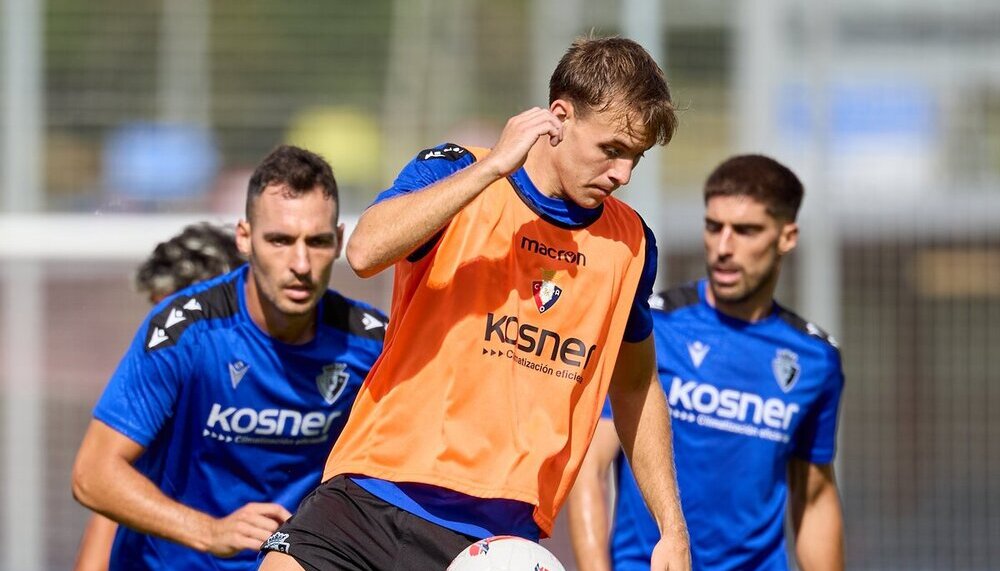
point(326, 237)
point(276, 235)
point(272, 235)
point(637, 150)
point(735, 225)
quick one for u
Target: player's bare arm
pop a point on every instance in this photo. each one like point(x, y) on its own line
point(105, 481)
point(817, 518)
point(587, 508)
point(393, 228)
point(643, 425)
point(95, 544)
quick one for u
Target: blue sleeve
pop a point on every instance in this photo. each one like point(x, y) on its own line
point(428, 167)
point(816, 440)
point(140, 396)
point(640, 320)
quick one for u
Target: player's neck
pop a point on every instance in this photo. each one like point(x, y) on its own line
point(291, 329)
point(538, 165)
point(752, 309)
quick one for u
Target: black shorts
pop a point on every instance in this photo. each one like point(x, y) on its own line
point(341, 526)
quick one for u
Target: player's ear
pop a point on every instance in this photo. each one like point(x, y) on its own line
point(789, 237)
point(243, 237)
point(340, 241)
point(562, 109)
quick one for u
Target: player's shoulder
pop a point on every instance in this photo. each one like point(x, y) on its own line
point(627, 221)
point(803, 327)
point(433, 164)
point(450, 152)
point(171, 319)
point(614, 206)
point(676, 298)
point(353, 317)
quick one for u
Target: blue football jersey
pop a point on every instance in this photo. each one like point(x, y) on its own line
point(745, 399)
point(229, 415)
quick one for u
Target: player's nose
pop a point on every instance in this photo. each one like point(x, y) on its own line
point(300, 263)
point(725, 244)
point(621, 172)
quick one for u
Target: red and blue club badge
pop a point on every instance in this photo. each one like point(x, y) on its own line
point(545, 291)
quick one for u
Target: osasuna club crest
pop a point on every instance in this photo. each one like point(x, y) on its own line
point(545, 291)
point(332, 381)
point(786, 369)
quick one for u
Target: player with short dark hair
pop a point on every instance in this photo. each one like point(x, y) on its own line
point(754, 391)
point(215, 423)
point(201, 251)
point(297, 171)
point(520, 301)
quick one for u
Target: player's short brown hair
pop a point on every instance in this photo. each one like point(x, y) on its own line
point(618, 75)
point(298, 169)
point(759, 177)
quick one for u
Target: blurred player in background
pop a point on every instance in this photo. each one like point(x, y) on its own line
point(754, 391)
point(215, 423)
point(200, 252)
point(521, 294)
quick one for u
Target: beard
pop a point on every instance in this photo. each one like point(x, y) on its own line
point(750, 288)
point(273, 298)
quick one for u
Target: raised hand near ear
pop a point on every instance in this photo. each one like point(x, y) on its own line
point(519, 135)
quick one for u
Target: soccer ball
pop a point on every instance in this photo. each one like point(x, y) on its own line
point(505, 553)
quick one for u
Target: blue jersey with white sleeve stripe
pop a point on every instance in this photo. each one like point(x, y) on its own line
point(227, 414)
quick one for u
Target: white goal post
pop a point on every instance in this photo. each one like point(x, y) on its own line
point(108, 237)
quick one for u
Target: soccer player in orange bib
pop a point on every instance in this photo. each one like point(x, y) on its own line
point(519, 302)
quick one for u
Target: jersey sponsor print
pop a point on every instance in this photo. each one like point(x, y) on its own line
point(229, 415)
point(745, 399)
point(532, 297)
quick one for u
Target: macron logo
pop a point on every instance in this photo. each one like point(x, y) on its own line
point(697, 351)
point(158, 336)
point(370, 322)
point(175, 317)
point(450, 152)
point(569, 256)
point(236, 372)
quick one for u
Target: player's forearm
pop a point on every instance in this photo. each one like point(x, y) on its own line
point(391, 229)
point(819, 545)
point(587, 513)
point(588, 509)
point(118, 491)
point(95, 545)
point(644, 429)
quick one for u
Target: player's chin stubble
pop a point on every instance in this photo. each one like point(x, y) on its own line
point(743, 292)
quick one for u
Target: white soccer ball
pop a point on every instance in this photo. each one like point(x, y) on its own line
point(505, 553)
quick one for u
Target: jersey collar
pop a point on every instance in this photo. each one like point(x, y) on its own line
point(734, 321)
point(562, 213)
